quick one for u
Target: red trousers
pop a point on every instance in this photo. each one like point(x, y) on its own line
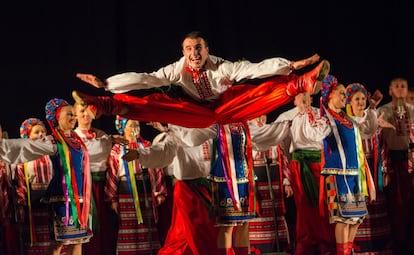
point(237, 104)
point(314, 233)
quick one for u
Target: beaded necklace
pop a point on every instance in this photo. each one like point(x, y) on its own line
point(72, 140)
point(343, 118)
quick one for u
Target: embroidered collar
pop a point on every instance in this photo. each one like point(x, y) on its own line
point(343, 118)
point(191, 70)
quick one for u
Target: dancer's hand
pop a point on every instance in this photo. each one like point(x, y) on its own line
point(91, 79)
point(375, 99)
point(383, 123)
point(288, 190)
point(160, 199)
point(158, 126)
point(131, 155)
point(296, 65)
point(386, 179)
point(115, 206)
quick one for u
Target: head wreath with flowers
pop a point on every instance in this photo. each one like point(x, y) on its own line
point(52, 110)
point(27, 126)
point(352, 88)
point(329, 83)
point(120, 124)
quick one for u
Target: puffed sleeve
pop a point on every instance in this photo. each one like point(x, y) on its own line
point(160, 154)
point(269, 135)
point(369, 123)
point(190, 137)
point(20, 150)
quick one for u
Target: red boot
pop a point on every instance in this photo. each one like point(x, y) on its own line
point(99, 105)
point(348, 247)
point(340, 248)
point(310, 81)
point(344, 248)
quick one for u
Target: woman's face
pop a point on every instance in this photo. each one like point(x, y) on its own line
point(36, 132)
point(132, 130)
point(358, 101)
point(67, 118)
point(83, 117)
point(338, 98)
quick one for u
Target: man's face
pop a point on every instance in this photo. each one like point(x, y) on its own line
point(195, 52)
point(398, 89)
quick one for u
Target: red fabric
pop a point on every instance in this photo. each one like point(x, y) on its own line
point(313, 232)
point(192, 232)
point(252, 203)
point(237, 104)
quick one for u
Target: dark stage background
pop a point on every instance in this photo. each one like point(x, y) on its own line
point(45, 43)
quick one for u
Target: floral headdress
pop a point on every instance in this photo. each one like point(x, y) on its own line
point(329, 83)
point(120, 124)
point(52, 110)
point(27, 126)
point(352, 88)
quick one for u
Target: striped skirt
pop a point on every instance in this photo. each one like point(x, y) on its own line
point(265, 236)
point(134, 238)
point(41, 241)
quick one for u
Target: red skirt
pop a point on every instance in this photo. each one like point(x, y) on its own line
point(192, 231)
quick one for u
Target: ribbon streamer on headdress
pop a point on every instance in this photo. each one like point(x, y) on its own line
point(72, 189)
point(337, 138)
point(377, 163)
point(366, 182)
point(132, 185)
point(249, 157)
point(29, 204)
point(80, 216)
point(228, 164)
